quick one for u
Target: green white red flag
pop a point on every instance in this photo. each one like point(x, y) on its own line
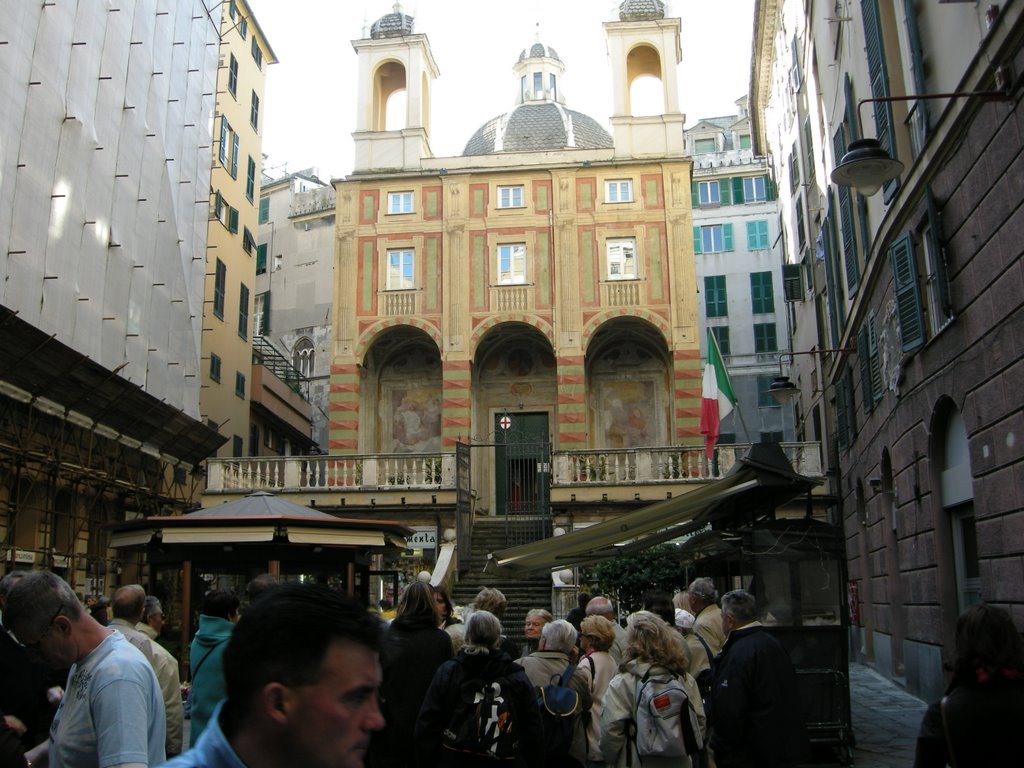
point(717, 396)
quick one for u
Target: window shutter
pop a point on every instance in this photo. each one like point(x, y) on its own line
point(232, 220)
point(727, 237)
point(941, 276)
point(769, 187)
point(879, 76)
point(842, 431)
point(864, 359)
point(737, 190)
point(751, 235)
point(725, 192)
point(696, 240)
point(908, 292)
point(694, 194)
point(876, 362)
point(791, 287)
point(849, 240)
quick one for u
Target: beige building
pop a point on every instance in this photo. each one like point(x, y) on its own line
point(227, 332)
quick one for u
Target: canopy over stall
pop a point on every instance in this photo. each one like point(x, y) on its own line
point(760, 482)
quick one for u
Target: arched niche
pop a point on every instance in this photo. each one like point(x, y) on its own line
point(629, 393)
point(401, 394)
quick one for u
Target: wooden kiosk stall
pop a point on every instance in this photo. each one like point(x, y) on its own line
point(226, 545)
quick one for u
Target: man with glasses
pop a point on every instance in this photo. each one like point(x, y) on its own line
point(112, 713)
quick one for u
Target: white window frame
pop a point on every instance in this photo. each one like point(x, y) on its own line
point(709, 231)
point(401, 270)
point(750, 184)
point(618, 191)
point(622, 262)
point(511, 196)
point(400, 202)
point(512, 264)
point(705, 190)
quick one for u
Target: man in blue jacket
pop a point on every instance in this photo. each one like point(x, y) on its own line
point(757, 715)
point(302, 677)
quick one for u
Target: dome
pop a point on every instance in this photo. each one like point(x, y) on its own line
point(537, 51)
point(395, 24)
point(538, 127)
point(641, 10)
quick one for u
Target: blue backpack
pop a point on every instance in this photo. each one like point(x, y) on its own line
point(559, 709)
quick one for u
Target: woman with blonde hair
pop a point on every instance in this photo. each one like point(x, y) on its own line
point(596, 637)
point(533, 626)
point(652, 650)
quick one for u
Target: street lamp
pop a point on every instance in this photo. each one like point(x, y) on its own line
point(866, 166)
point(782, 388)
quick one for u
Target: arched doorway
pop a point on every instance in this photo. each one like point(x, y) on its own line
point(515, 392)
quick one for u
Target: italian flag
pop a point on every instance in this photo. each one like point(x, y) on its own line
point(717, 396)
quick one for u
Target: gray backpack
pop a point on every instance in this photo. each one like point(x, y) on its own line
point(665, 720)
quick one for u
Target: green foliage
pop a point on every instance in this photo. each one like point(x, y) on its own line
point(626, 579)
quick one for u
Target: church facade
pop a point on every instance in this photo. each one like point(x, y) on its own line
point(546, 276)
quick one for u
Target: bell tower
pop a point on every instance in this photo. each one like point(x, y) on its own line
point(396, 74)
point(645, 52)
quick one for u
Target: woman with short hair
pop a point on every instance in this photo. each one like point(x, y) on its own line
point(596, 637)
point(482, 662)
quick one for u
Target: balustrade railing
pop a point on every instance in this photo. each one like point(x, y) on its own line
point(621, 466)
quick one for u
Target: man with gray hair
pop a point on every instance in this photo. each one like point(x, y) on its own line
point(129, 605)
point(112, 713)
point(556, 652)
point(707, 622)
point(756, 705)
point(602, 606)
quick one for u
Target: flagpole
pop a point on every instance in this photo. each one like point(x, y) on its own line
point(743, 423)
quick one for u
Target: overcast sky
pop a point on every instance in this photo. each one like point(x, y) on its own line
point(311, 93)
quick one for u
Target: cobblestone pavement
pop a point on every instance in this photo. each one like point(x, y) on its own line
point(885, 721)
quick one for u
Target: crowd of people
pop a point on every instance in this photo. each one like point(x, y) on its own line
point(305, 676)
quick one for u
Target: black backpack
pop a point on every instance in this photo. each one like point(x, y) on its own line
point(559, 709)
point(483, 722)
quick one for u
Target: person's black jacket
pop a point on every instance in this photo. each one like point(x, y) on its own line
point(442, 700)
point(985, 722)
point(23, 682)
point(410, 655)
point(757, 716)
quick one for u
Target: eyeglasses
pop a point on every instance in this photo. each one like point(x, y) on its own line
point(34, 645)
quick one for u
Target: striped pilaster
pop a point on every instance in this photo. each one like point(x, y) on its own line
point(686, 385)
point(456, 404)
point(572, 405)
point(343, 410)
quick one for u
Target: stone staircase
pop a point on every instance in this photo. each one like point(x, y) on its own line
point(490, 534)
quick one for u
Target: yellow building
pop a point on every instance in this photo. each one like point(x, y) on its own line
point(227, 355)
point(546, 275)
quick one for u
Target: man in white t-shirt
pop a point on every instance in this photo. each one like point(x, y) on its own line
point(112, 713)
